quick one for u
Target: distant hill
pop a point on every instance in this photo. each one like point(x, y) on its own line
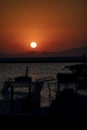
point(65, 53)
point(74, 52)
point(2, 55)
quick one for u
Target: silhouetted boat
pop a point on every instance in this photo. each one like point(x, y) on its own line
point(78, 68)
point(69, 100)
point(24, 78)
point(30, 104)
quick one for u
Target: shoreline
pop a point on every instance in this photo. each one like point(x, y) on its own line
point(43, 59)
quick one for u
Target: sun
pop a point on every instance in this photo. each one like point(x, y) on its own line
point(33, 44)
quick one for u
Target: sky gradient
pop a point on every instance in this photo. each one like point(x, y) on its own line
point(54, 24)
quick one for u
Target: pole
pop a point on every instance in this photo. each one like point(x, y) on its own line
point(12, 100)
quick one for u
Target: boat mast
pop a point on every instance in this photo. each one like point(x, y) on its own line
point(26, 74)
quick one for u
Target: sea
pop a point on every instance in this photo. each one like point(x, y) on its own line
point(38, 71)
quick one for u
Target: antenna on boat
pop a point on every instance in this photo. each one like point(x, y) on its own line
point(26, 74)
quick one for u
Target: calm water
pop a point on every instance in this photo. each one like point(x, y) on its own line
point(36, 71)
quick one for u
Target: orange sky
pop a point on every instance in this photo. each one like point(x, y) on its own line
point(54, 24)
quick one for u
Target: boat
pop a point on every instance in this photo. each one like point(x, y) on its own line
point(77, 68)
point(29, 104)
point(70, 101)
point(24, 78)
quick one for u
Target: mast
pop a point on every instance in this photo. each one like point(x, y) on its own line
point(26, 74)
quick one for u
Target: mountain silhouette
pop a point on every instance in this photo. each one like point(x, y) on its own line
point(65, 53)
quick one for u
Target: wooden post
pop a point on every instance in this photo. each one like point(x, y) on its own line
point(12, 100)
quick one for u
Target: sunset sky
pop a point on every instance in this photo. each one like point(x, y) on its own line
point(54, 24)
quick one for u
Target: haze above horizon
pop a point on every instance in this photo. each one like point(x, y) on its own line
point(55, 25)
point(81, 51)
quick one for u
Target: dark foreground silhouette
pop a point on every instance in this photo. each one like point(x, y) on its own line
point(69, 109)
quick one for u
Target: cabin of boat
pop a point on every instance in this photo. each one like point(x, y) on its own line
point(78, 76)
point(69, 100)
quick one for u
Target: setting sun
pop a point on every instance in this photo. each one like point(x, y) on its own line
point(33, 44)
